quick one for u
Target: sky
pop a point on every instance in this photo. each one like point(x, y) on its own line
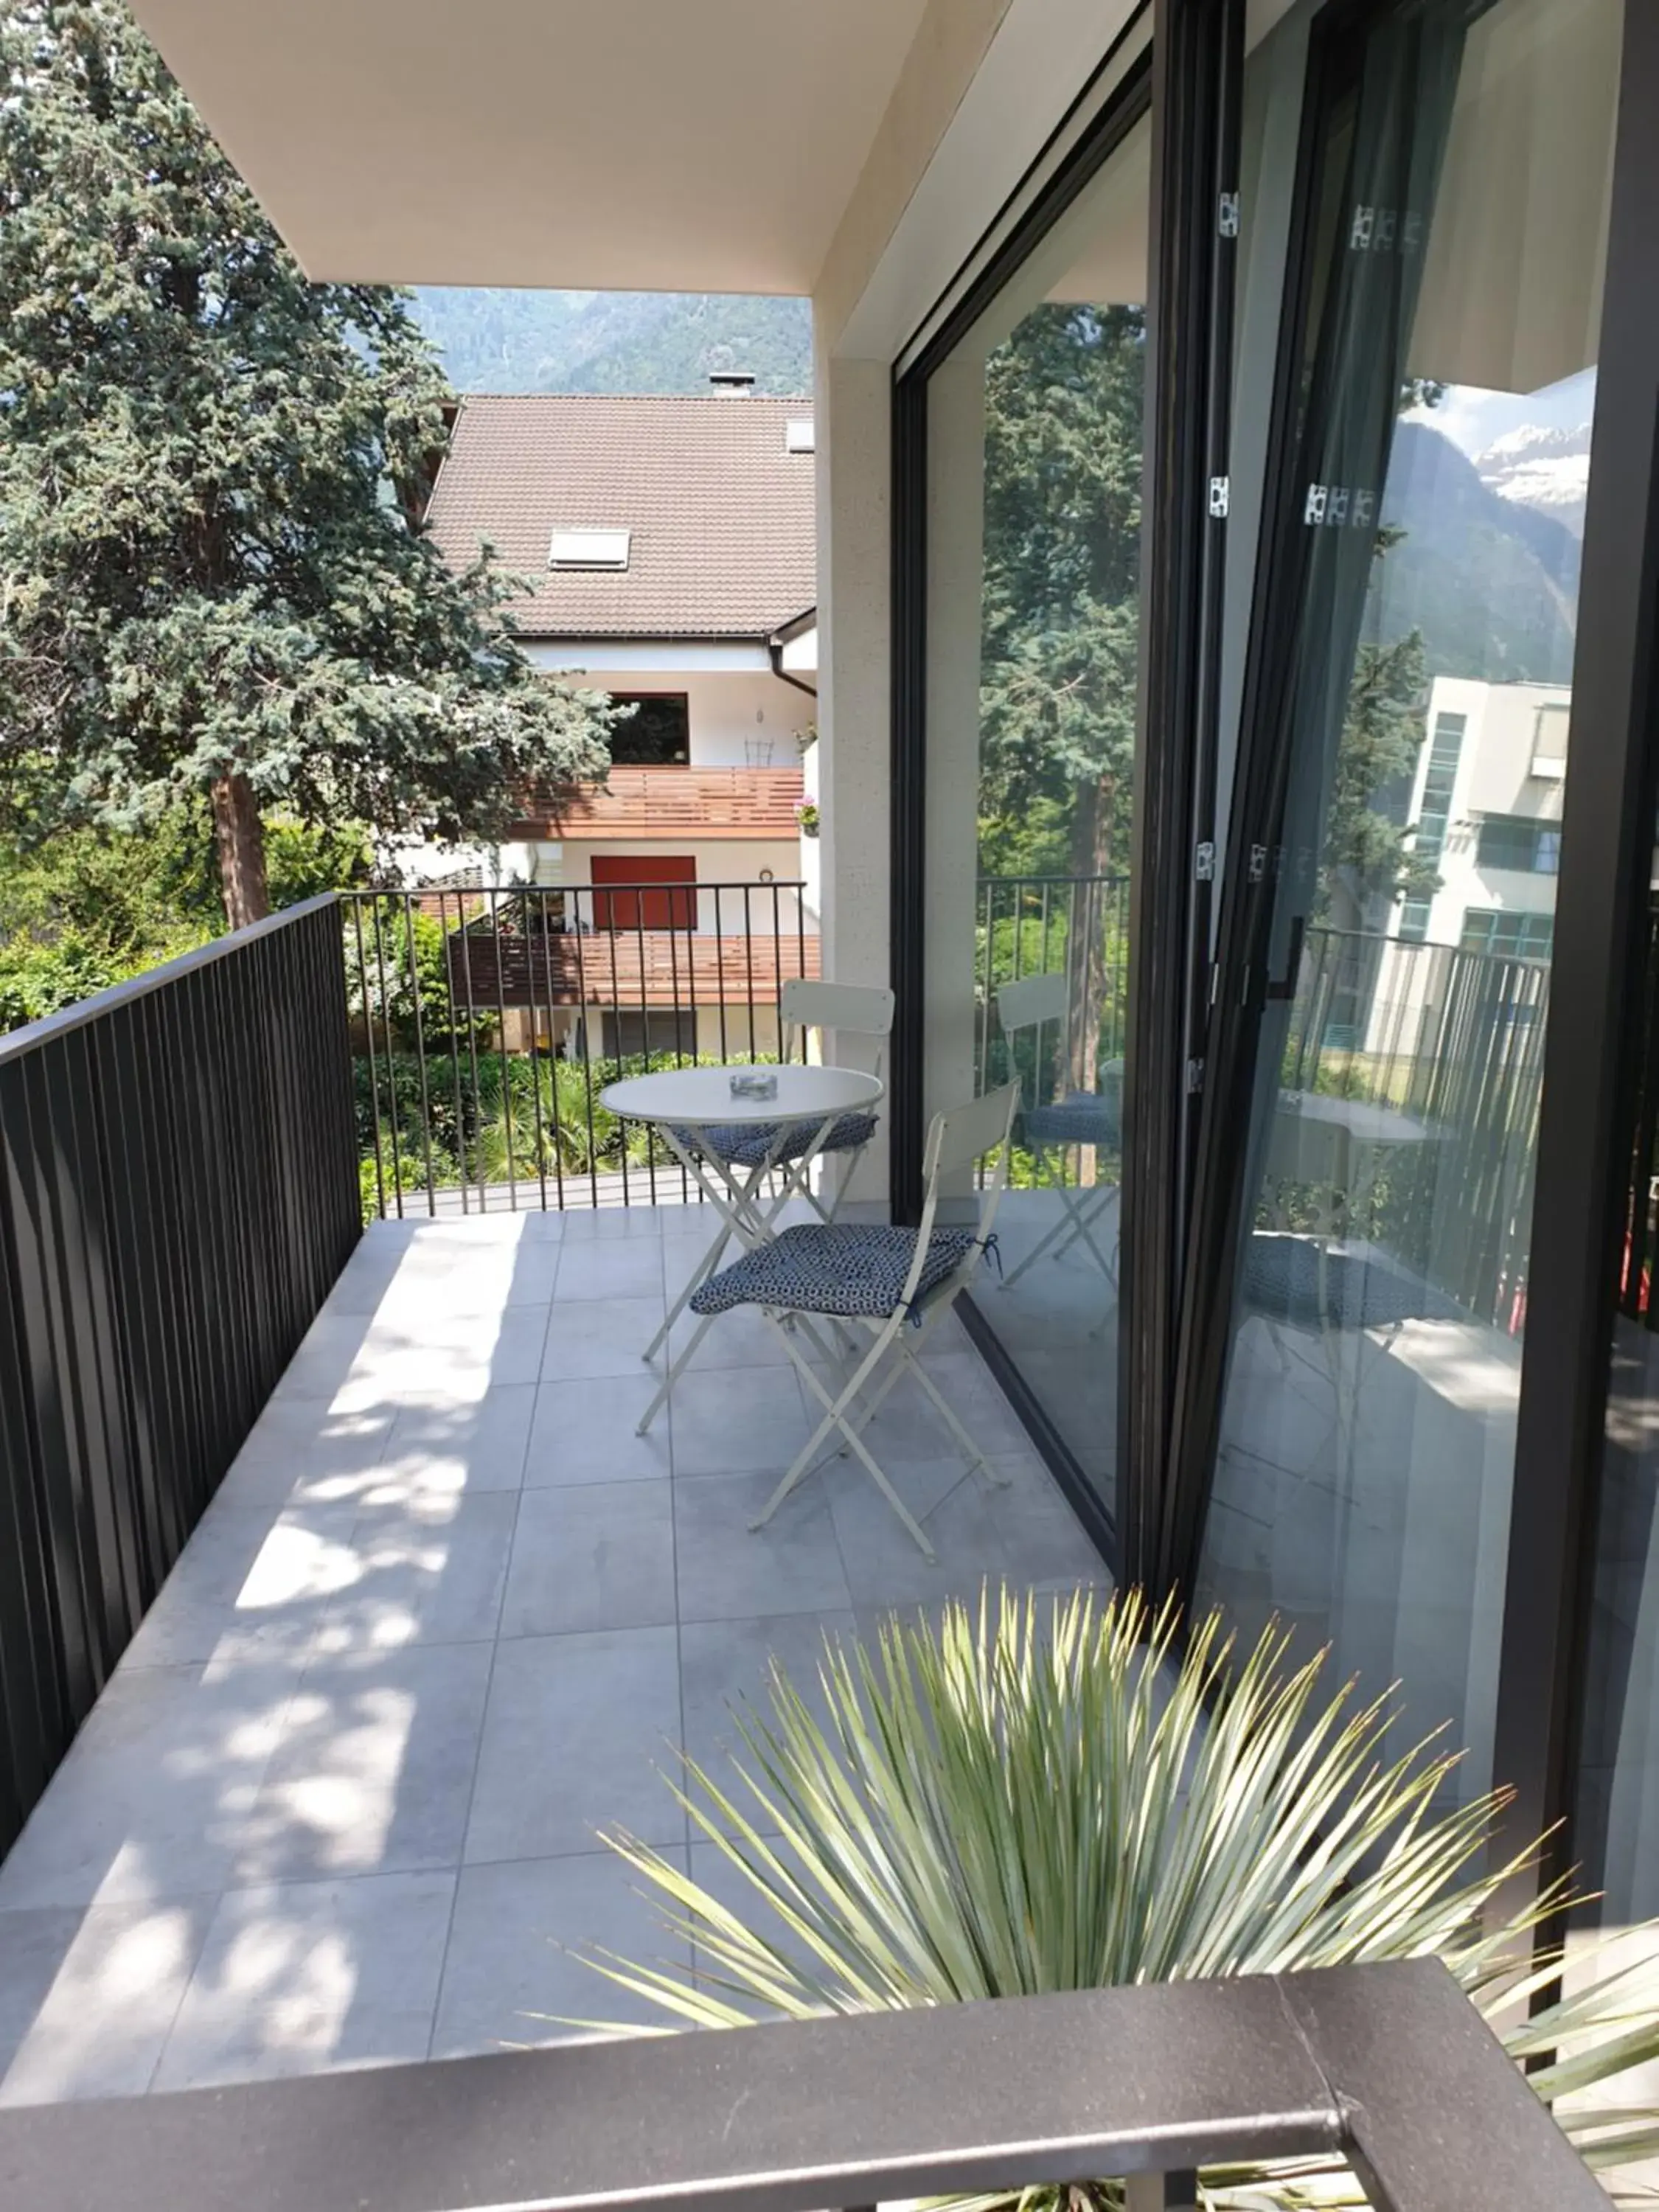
point(1474, 419)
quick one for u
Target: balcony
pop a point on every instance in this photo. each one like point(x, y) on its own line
point(671, 802)
point(329, 1789)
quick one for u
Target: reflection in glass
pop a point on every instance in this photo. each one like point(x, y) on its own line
point(1429, 584)
point(1616, 1816)
point(1033, 527)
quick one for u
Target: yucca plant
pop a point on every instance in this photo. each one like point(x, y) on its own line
point(1041, 1797)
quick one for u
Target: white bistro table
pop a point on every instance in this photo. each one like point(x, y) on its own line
point(688, 1106)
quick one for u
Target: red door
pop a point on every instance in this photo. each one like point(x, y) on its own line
point(644, 909)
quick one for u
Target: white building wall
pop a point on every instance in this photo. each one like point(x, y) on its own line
point(740, 716)
point(853, 415)
point(1497, 774)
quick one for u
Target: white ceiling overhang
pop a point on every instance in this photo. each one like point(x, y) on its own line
point(633, 145)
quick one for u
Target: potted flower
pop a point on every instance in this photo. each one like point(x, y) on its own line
point(1047, 1794)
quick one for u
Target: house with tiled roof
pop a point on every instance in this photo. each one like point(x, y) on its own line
point(665, 545)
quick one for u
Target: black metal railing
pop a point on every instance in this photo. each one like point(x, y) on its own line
point(1077, 927)
point(1454, 1038)
point(179, 1191)
point(1387, 2068)
point(486, 1022)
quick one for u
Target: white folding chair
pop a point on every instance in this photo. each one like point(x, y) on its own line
point(745, 1153)
point(1081, 1117)
point(895, 1283)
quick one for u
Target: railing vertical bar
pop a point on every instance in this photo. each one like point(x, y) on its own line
point(777, 974)
point(674, 985)
point(749, 960)
point(502, 1052)
point(390, 1063)
point(552, 1049)
point(420, 1055)
point(588, 1052)
point(719, 972)
point(531, 932)
point(616, 1020)
point(454, 1046)
point(650, 1138)
point(373, 1076)
point(465, 932)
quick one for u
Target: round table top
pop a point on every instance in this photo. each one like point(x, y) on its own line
point(700, 1098)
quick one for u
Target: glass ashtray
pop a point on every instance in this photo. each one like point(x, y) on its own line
point(755, 1083)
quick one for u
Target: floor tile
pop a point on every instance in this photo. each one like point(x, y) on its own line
point(978, 1403)
point(430, 1623)
point(154, 1799)
point(595, 1555)
point(736, 1424)
point(604, 1224)
point(437, 1449)
point(598, 1336)
point(517, 1970)
point(93, 1995)
point(741, 1338)
point(885, 1564)
point(374, 1768)
point(579, 1732)
point(1042, 1540)
point(728, 1572)
point(432, 1572)
point(724, 1672)
point(252, 1580)
point(293, 1978)
point(623, 1268)
point(409, 1360)
point(300, 1450)
point(585, 1431)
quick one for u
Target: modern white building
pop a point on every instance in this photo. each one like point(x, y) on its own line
point(1486, 802)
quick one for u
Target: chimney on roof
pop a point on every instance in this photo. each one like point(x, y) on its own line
point(732, 383)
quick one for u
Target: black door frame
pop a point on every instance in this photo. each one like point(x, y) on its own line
point(1182, 1218)
point(1194, 157)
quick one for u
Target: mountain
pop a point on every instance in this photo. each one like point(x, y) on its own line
point(516, 341)
point(1491, 582)
point(1546, 470)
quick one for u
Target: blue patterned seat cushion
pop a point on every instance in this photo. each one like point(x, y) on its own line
point(1085, 1118)
point(847, 1268)
point(749, 1144)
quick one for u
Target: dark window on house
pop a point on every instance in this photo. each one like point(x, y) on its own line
point(1514, 841)
point(658, 734)
point(1414, 921)
point(1508, 935)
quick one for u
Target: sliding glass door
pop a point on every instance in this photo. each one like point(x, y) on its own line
point(1386, 974)
point(1034, 466)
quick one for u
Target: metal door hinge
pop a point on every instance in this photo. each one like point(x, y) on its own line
point(1194, 1076)
point(1204, 863)
point(1220, 497)
point(1226, 220)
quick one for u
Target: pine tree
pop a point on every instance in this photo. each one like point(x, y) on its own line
point(213, 577)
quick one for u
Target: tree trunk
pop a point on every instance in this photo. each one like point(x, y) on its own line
point(1092, 837)
point(239, 838)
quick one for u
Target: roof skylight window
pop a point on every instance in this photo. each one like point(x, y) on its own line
point(589, 548)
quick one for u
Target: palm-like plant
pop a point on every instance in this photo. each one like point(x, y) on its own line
point(1030, 1800)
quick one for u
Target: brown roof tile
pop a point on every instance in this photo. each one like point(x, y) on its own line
point(722, 516)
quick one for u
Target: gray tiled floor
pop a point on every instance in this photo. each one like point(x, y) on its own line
point(448, 1619)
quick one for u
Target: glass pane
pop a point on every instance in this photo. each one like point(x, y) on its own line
point(1616, 1817)
point(1033, 627)
point(1429, 589)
